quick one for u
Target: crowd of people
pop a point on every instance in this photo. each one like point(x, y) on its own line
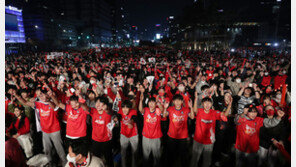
point(148, 106)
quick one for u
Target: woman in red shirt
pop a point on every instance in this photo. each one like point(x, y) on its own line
point(20, 130)
point(247, 137)
point(102, 124)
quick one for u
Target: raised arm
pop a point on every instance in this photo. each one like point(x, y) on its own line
point(269, 123)
point(165, 112)
point(241, 91)
point(23, 101)
point(56, 101)
point(141, 103)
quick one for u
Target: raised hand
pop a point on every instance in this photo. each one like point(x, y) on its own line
point(142, 96)
point(280, 113)
point(166, 104)
point(190, 103)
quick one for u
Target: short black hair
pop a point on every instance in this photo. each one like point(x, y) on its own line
point(152, 99)
point(204, 87)
point(206, 99)
point(74, 98)
point(251, 107)
point(103, 99)
point(79, 147)
point(126, 103)
point(178, 97)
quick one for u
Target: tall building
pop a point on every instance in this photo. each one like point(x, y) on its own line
point(172, 28)
point(57, 24)
point(122, 28)
point(96, 19)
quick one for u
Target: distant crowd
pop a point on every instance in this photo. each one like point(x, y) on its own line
point(148, 106)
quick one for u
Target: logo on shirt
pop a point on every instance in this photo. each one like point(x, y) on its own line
point(125, 121)
point(249, 130)
point(150, 119)
point(44, 113)
point(206, 121)
point(178, 118)
point(72, 116)
point(100, 122)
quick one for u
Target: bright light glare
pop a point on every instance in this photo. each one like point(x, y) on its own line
point(157, 36)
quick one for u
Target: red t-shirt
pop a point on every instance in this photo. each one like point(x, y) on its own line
point(76, 122)
point(7, 102)
point(152, 124)
point(279, 80)
point(266, 80)
point(101, 123)
point(247, 136)
point(205, 126)
point(65, 100)
point(124, 122)
point(24, 129)
point(178, 122)
point(48, 117)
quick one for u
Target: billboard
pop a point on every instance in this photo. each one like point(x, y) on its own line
point(14, 27)
point(11, 22)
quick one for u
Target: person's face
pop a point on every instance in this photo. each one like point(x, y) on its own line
point(17, 112)
point(125, 110)
point(203, 78)
point(42, 78)
point(91, 96)
point(247, 91)
point(100, 106)
point(161, 92)
point(24, 95)
point(145, 81)
point(234, 73)
point(72, 154)
point(152, 105)
point(207, 105)
point(10, 91)
point(189, 79)
point(252, 115)
point(178, 103)
point(74, 104)
point(227, 97)
point(130, 80)
point(43, 97)
point(269, 108)
point(266, 102)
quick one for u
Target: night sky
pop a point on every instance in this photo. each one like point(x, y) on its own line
point(147, 13)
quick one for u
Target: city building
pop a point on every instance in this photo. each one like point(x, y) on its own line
point(14, 29)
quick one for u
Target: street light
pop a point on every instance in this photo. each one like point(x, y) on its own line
point(36, 27)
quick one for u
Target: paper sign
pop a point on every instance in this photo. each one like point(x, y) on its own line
point(142, 61)
point(150, 79)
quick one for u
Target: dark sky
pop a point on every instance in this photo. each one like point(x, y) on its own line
point(147, 13)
